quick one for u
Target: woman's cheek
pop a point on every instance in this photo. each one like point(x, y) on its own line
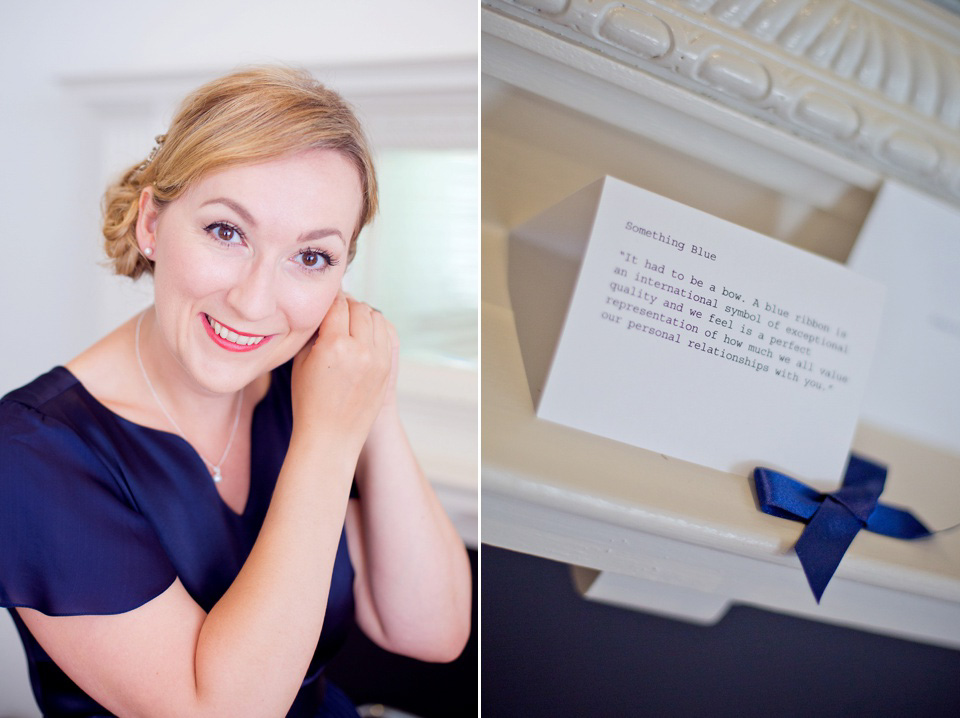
point(211, 271)
point(310, 305)
point(195, 272)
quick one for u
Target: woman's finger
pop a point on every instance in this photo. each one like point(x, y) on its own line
point(381, 333)
point(337, 319)
point(361, 322)
point(392, 335)
point(305, 350)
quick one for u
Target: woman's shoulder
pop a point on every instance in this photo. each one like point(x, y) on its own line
point(106, 370)
point(41, 394)
point(43, 422)
point(55, 403)
point(57, 411)
point(45, 409)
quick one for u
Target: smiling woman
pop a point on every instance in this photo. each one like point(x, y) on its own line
point(196, 508)
point(258, 249)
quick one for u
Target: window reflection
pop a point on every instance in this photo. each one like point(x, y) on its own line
point(418, 261)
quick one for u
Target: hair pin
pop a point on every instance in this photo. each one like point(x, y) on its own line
point(158, 140)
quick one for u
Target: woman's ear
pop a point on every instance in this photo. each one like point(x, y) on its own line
point(147, 223)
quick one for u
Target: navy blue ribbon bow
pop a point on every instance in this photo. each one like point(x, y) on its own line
point(834, 519)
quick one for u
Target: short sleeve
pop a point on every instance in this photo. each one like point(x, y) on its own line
point(71, 540)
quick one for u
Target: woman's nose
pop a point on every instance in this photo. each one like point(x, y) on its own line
point(253, 295)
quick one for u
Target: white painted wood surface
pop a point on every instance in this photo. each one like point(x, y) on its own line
point(645, 530)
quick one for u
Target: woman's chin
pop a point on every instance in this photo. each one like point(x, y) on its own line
point(230, 379)
point(214, 377)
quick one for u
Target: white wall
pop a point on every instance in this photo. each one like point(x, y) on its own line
point(49, 191)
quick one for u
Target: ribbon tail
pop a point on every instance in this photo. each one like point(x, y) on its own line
point(824, 542)
point(898, 523)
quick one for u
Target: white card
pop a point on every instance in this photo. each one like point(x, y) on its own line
point(911, 243)
point(691, 336)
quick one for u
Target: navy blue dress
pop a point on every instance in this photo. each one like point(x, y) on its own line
point(98, 515)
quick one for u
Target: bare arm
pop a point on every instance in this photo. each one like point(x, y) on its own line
point(248, 656)
point(413, 585)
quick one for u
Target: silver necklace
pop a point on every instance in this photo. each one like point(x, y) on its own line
point(215, 468)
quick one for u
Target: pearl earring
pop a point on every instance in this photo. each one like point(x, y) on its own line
point(148, 251)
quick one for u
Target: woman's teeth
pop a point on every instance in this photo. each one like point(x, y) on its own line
point(230, 336)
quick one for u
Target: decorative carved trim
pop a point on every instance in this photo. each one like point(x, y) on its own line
point(877, 81)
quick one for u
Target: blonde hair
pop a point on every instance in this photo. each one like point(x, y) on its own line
point(248, 116)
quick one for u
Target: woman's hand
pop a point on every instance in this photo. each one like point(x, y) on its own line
point(343, 377)
point(390, 397)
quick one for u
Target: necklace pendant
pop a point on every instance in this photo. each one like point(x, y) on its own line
point(217, 477)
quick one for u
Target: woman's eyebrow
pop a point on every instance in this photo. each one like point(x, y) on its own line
point(235, 206)
point(320, 234)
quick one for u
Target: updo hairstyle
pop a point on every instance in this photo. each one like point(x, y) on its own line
point(248, 116)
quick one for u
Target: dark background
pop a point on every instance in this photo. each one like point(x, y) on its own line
point(549, 652)
point(369, 674)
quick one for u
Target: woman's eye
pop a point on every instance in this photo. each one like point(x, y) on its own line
point(224, 232)
point(315, 260)
point(310, 259)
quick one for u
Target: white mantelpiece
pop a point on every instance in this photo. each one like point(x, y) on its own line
point(877, 82)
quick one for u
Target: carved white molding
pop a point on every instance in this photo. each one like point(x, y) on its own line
point(877, 82)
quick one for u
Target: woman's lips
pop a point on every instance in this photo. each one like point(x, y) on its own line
point(230, 339)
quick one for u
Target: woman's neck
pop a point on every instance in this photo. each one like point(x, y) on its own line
point(172, 388)
point(109, 371)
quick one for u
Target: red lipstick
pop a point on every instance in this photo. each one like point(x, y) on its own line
point(226, 343)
